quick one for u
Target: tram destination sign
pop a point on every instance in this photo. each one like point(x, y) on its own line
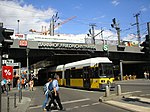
point(43, 45)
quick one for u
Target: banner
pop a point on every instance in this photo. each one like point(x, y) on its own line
point(7, 72)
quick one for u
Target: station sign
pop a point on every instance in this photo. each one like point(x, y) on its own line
point(105, 47)
point(44, 45)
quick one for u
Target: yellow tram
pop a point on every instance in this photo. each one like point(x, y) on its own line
point(93, 73)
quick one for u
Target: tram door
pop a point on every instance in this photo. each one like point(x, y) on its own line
point(67, 76)
point(86, 77)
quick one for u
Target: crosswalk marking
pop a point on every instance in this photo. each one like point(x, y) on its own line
point(66, 102)
point(85, 105)
point(75, 101)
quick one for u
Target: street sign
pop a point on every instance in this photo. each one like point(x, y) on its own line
point(10, 60)
point(5, 61)
point(105, 47)
point(12, 64)
point(7, 72)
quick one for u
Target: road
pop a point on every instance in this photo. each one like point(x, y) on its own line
point(77, 100)
point(74, 100)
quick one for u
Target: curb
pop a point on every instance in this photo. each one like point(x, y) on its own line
point(126, 106)
point(112, 97)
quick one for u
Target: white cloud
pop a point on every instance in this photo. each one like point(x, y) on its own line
point(115, 2)
point(143, 8)
point(96, 18)
point(78, 7)
point(130, 37)
point(29, 16)
point(107, 35)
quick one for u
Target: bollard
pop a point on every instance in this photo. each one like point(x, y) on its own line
point(15, 101)
point(19, 95)
point(7, 103)
point(118, 90)
point(107, 92)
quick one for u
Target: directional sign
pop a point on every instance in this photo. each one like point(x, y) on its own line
point(7, 72)
point(12, 64)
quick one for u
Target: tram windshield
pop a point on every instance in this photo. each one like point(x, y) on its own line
point(105, 70)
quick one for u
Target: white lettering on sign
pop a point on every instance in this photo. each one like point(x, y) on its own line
point(65, 46)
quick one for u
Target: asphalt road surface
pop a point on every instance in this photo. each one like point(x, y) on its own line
point(77, 100)
point(73, 100)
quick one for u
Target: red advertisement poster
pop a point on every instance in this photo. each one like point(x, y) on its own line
point(7, 72)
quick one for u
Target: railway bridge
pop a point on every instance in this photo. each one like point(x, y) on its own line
point(39, 54)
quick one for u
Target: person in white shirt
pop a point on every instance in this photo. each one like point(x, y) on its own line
point(55, 93)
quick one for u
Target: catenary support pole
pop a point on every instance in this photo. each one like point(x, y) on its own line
point(121, 70)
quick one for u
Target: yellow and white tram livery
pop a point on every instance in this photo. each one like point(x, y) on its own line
point(93, 73)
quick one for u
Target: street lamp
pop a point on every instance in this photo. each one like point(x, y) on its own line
point(18, 25)
point(27, 53)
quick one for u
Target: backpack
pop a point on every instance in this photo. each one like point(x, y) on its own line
point(44, 88)
point(50, 86)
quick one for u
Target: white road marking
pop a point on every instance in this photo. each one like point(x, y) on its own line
point(76, 107)
point(85, 105)
point(78, 90)
point(67, 102)
point(75, 101)
point(131, 92)
point(96, 103)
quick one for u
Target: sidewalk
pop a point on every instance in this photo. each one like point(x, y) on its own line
point(134, 82)
point(127, 100)
point(135, 104)
point(20, 106)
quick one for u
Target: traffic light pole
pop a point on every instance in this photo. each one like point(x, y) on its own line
point(116, 26)
point(148, 27)
point(0, 78)
point(6, 41)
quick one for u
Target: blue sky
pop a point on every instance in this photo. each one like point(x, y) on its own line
point(99, 12)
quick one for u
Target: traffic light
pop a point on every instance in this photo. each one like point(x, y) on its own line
point(5, 38)
point(146, 45)
point(114, 20)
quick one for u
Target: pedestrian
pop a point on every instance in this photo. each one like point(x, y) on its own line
point(31, 83)
point(48, 87)
point(3, 86)
point(23, 83)
point(148, 75)
point(55, 93)
point(26, 84)
point(8, 84)
point(18, 84)
point(145, 75)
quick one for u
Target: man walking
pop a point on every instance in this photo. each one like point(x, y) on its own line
point(48, 94)
point(55, 93)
